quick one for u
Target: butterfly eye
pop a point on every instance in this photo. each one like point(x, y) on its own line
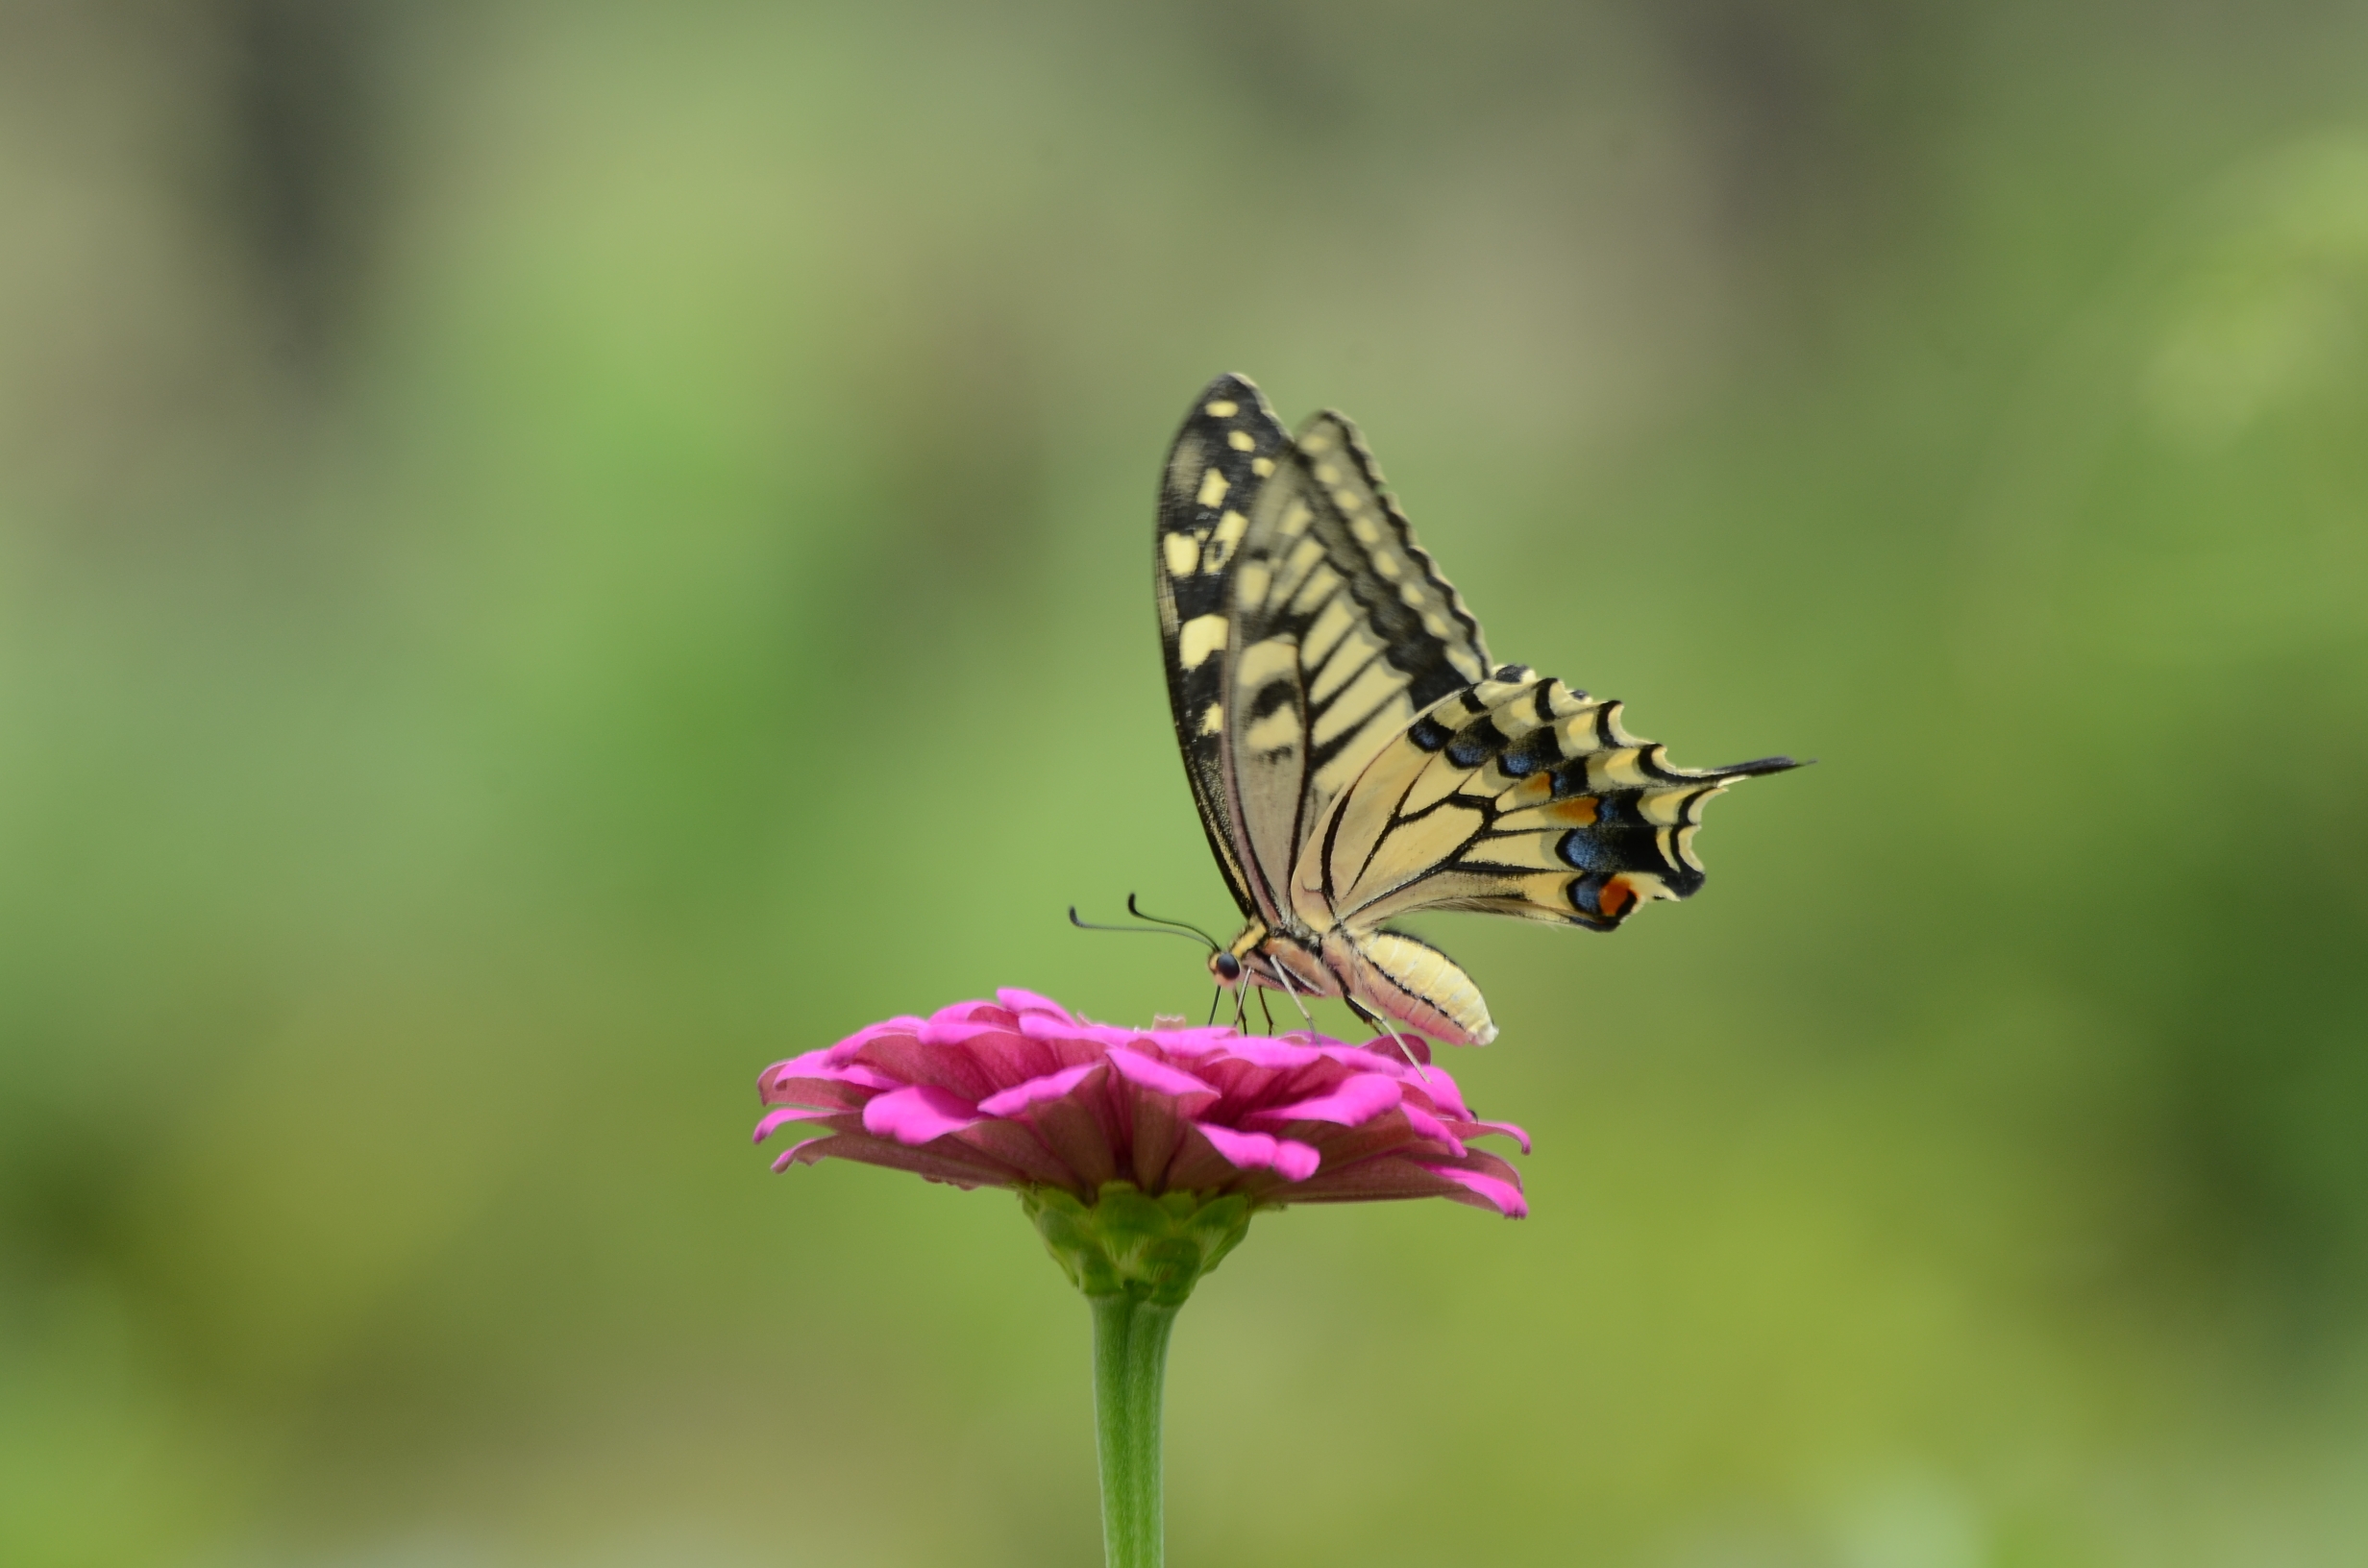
point(1227, 966)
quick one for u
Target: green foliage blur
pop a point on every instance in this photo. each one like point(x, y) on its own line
point(552, 555)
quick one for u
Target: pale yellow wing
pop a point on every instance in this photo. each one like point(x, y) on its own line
point(1343, 631)
point(1519, 796)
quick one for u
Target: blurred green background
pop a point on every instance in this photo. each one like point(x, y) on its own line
point(551, 554)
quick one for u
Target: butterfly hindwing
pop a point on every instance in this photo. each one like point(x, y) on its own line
point(1518, 796)
point(1220, 460)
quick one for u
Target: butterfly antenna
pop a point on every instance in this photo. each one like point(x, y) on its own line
point(1136, 910)
point(1159, 930)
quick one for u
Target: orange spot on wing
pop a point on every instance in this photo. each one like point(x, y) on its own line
point(1616, 898)
point(1579, 811)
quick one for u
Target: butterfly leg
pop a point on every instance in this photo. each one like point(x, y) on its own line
point(1382, 1024)
point(1284, 974)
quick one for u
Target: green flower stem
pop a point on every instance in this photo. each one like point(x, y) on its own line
point(1136, 1259)
point(1130, 1366)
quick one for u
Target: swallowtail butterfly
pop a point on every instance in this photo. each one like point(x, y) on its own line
point(1355, 752)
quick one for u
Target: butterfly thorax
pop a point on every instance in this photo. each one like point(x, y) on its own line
point(1277, 960)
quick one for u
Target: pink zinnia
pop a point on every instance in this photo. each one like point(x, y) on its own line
point(1019, 1093)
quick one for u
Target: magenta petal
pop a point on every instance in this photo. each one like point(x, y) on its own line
point(903, 1023)
point(1352, 1103)
point(1385, 1047)
point(971, 1072)
point(918, 1115)
point(1508, 1129)
point(1197, 1041)
point(838, 1061)
point(1501, 1195)
point(947, 1160)
point(1036, 1091)
point(1023, 1147)
point(789, 1157)
point(944, 1032)
point(1258, 1050)
point(1076, 1129)
point(1157, 1076)
point(854, 1076)
point(1295, 1161)
point(1286, 1156)
point(1430, 1126)
point(1016, 1000)
point(1441, 1092)
point(775, 1121)
point(1158, 1128)
point(1244, 1151)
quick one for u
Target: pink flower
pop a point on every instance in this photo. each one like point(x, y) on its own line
point(1018, 1092)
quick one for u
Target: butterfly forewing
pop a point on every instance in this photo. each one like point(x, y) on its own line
point(1397, 637)
point(1342, 632)
point(1227, 448)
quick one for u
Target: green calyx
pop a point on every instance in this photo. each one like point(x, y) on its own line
point(1126, 1242)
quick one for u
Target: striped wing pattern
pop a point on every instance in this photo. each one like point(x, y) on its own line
point(1515, 797)
point(1342, 632)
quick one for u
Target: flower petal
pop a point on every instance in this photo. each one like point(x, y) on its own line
point(1157, 1076)
point(1430, 1126)
point(918, 1115)
point(849, 1086)
point(949, 1160)
point(1024, 1002)
point(1508, 1129)
point(1259, 1050)
point(790, 1156)
point(775, 1121)
point(1352, 1103)
point(1050, 1086)
point(1077, 1128)
point(972, 1068)
point(1287, 1157)
point(1384, 1047)
point(1503, 1196)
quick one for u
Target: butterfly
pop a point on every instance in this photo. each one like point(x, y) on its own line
point(1356, 754)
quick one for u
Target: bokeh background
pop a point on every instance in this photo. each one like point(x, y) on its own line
point(551, 554)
